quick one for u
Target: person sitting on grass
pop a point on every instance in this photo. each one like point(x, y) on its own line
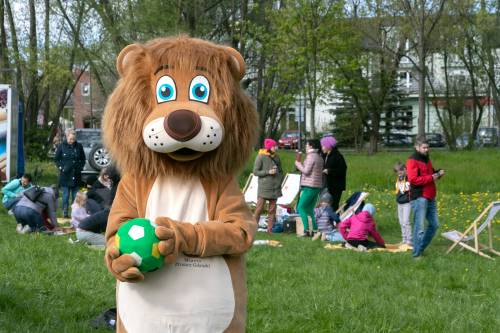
point(13, 191)
point(78, 210)
point(99, 194)
point(361, 226)
point(30, 215)
point(326, 218)
point(90, 230)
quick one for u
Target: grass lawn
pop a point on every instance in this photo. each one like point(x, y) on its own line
point(49, 285)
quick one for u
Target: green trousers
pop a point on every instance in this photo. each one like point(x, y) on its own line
point(305, 207)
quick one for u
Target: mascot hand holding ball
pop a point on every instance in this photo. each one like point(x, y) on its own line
point(180, 128)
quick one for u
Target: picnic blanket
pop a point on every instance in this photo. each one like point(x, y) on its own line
point(63, 220)
point(267, 242)
point(63, 230)
point(391, 248)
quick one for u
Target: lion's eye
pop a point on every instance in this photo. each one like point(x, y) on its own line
point(199, 90)
point(165, 89)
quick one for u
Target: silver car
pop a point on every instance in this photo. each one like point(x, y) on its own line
point(97, 157)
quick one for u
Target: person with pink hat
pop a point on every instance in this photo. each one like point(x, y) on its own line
point(335, 169)
point(267, 167)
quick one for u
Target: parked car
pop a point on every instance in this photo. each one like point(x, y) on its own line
point(97, 157)
point(487, 136)
point(462, 140)
point(289, 139)
point(397, 140)
point(435, 139)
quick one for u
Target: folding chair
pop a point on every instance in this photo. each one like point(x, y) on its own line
point(473, 231)
point(345, 213)
point(289, 189)
point(250, 189)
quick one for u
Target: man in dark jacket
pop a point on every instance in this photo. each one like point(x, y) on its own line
point(422, 176)
point(335, 169)
point(267, 167)
point(70, 160)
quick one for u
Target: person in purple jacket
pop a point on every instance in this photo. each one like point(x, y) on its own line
point(311, 183)
point(357, 228)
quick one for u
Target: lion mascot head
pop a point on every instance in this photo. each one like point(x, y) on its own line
point(178, 109)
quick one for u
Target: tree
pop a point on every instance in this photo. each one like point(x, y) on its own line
point(308, 27)
point(486, 23)
point(273, 78)
point(422, 17)
point(367, 64)
point(396, 115)
point(4, 59)
point(462, 43)
point(348, 122)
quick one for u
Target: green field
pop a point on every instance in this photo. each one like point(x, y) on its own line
point(49, 285)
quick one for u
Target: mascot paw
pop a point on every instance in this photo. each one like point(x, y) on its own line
point(167, 246)
point(123, 266)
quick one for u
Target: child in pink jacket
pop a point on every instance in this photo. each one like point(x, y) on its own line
point(357, 228)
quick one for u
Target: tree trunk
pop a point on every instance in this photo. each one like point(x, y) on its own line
point(374, 133)
point(313, 119)
point(105, 10)
point(17, 57)
point(476, 119)
point(32, 105)
point(5, 76)
point(65, 96)
point(421, 74)
point(46, 108)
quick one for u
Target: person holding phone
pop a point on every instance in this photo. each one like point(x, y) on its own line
point(422, 177)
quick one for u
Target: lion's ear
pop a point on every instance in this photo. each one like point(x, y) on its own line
point(130, 55)
point(236, 64)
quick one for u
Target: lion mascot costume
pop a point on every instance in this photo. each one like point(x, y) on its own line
point(180, 127)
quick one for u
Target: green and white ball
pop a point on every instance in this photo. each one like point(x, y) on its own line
point(137, 238)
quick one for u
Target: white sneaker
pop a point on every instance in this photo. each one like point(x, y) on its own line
point(362, 248)
point(19, 227)
point(349, 246)
point(26, 229)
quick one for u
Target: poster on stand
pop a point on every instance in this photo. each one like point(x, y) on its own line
point(6, 126)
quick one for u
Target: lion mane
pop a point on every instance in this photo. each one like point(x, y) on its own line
point(133, 100)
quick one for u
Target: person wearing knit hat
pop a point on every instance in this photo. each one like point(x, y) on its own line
point(335, 169)
point(270, 143)
point(267, 167)
point(311, 183)
point(326, 218)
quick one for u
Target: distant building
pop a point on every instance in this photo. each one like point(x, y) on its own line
point(86, 105)
point(407, 81)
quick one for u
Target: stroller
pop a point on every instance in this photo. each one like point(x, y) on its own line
point(353, 205)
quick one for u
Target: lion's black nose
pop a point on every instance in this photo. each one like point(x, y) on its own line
point(182, 125)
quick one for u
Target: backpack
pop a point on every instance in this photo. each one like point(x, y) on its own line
point(33, 193)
